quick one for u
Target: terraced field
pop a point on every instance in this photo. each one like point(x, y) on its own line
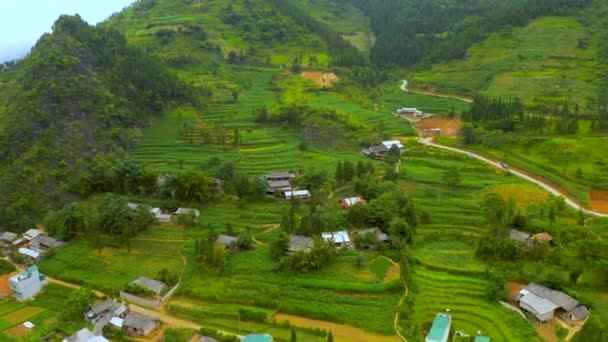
point(447, 275)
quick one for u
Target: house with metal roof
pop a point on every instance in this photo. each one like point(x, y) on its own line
point(8, 237)
point(109, 308)
point(440, 330)
point(31, 234)
point(229, 242)
point(348, 202)
point(85, 335)
point(519, 236)
point(390, 143)
point(297, 194)
point(480, 338)
point(298, 243)
point(340, 239)
point(188, 211)
point(153, 285)
point(139, 326)
point(543, 302)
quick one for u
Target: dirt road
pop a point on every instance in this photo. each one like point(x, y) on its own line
point(520, 174)
point(404, 88)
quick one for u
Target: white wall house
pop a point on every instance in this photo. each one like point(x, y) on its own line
point(27, 284)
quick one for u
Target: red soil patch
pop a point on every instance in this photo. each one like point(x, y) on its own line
point(447, 127)
point(599, 200)
point(5, 289)
point(324, 80)
point(18, 331)
point(514, 288)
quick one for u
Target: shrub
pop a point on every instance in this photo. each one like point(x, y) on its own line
point(252, 316)
point(6, 267)
point(139, 290)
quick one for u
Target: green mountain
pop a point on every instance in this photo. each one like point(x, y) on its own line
point(81, 92)
point(262, 32)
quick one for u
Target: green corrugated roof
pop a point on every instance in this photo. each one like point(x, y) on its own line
point(257, 338)
point(440, 325)
point(482, 339)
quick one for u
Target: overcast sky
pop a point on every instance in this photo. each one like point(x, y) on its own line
point(22, 22)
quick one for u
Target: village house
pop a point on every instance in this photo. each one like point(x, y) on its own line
point(31, 234)
point(8, 237)
point(217, 185)
point(229, 242)
point(107, 309)
point(350, 201)
point(27, 284)
point(375, 152)
point(297, 194)
point(298, 243)
point(543, 302)
point(409, 111)
point(153, 285)
point(160, 215)
point(188, 211)
point(376, 236)
point(85, 335)
point(340, 239)
point(528, 240)
point(440, 330)
point(139, 326)
point(32, 255)
point(43, 242)
point(278, 182)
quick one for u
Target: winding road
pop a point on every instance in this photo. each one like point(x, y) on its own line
point(524, 175)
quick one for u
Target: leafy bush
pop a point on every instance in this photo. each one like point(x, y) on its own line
point(6, 267)
point(139, 290)
point(253, 316)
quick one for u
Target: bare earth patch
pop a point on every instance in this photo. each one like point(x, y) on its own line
point(341, 332)
point(599, 200)
point(5, 289)
point(321, 79)
point(447, 127)
point(18, 331)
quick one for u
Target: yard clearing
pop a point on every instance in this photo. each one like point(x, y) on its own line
point(18, 331)
point(22, 315)
point(5, 289)
point(341, 332)
point(524, 194)
point(321, 79)
point(599, 200)
point(449, 127)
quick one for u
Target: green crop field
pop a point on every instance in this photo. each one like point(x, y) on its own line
point(542, 63)
point(557, 159)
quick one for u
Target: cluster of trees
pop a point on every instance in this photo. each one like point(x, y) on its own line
point(411, 32)
point(346, 171)
point(315, 124)
point(321, 254)
point(575, 250)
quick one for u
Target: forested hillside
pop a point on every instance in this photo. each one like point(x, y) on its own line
point(81, 92)
point(411, 32)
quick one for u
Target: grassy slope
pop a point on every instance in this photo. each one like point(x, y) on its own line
point(344, 18)
point(541, 63)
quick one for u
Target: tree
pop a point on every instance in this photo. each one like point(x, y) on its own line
point(361, 169)
point(358, 215)
point(293, 337)
point(330, 337)
point(235, 95)
point(349, 171)
point(245, 241)
point(451, 177)
point(279, 246)
point(339, 172)
point(581, 217)
point(192, 186)
point(405, 266)
point(142, 218)
point(114, 215)
point(495, 209)
point(229, 229)
point(78, 302)
point(551, 214)
point(65, 223)
point(242, 186)
point(401, 231)
point(259, 185)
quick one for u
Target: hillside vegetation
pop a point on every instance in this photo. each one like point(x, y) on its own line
point(81, 92)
